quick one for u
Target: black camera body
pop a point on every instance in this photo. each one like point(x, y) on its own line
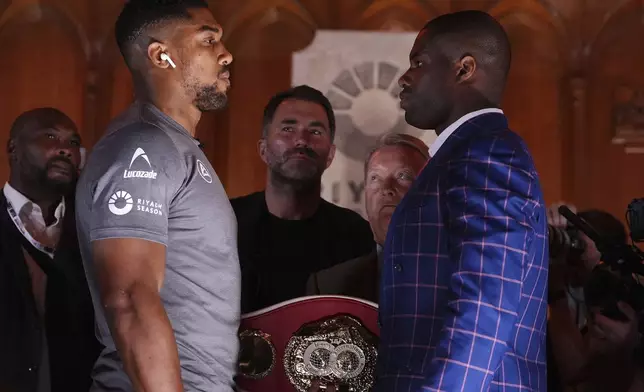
point(565, 242)
point(613, 280)
point(606, 287)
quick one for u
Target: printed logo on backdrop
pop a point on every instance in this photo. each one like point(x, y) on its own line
point(358, 72)
point(366, 106)
point(140, 156)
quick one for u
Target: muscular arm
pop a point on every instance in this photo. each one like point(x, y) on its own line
point(130, 274)
point(129, 251)
point(490, 228)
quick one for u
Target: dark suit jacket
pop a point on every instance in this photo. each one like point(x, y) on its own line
point(357, 278)
point(69, 319)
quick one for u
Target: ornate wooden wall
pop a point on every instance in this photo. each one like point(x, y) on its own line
point(573, 91)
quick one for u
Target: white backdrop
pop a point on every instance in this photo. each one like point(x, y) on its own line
point(358, 72)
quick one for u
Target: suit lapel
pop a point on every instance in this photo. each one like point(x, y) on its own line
point(477, 126)
point(424, 183)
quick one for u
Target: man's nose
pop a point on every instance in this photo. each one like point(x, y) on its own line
point(388, 187)
point(225, 58)
point(65, 150)
point(402, 81)
point(301, 138)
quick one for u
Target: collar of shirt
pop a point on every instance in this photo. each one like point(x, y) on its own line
point(18, 202)
point(447, 132)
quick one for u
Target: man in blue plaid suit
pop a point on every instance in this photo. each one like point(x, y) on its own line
point(463, 295)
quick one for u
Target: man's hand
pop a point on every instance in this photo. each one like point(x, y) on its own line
point(610, 335)
point(558, 267)
point(555, 218)
point(315, 387)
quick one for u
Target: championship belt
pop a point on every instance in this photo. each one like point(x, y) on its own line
point(333, 339)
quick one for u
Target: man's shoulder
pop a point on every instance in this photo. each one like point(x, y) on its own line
point(133, 132)
point(135, 142)
point(344, 214)
point(357, 277)
point(242, 204)
point(345, 220)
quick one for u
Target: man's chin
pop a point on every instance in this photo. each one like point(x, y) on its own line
point(385, 218)
point(418, 119)
point(212, 101)
point(61, 184)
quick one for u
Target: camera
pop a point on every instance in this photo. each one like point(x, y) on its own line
point(565, 242)
point(613, 280)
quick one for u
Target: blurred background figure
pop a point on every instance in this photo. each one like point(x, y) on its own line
point(47, 341)
point(588, 350)
point(390, 169)
point(287, 232)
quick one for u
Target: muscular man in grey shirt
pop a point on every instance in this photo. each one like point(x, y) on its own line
point(156, 230)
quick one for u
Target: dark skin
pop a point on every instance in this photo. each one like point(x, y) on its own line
point(131, 271)
point(390, 173)
point(443, 83)
point(297, 150)
point(202, 61)
point(44, 158)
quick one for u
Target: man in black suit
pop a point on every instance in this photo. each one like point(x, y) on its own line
point(390, 169)
point(47, 340)
point(288, 232)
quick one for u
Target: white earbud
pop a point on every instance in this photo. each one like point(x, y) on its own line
point(165, 57)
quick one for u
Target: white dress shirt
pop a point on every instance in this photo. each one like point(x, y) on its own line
point(447, 132)
point(30, 222)
point(31, 217)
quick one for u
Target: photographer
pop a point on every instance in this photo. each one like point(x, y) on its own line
point(589, 351)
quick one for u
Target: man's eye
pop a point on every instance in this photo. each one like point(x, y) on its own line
point(287, 129)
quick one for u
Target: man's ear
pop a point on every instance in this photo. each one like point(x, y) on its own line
point(155, 50)
point(11, 149)
point(465, 68)
point(261, 149)
point(329, 160)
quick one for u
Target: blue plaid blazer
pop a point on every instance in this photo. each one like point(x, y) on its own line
point(464, 281)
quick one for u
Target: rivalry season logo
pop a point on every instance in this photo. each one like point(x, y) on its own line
point(129, 173)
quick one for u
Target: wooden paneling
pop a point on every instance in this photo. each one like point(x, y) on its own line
point(43, 64)
point(616, 61)
point(568, 58)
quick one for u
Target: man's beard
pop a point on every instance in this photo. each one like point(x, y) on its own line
point(209, 98)
point(56, 186)
point(302, 177)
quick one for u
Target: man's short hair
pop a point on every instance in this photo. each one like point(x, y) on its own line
point(138, 16)
point(299, 93)
point(399, 140)
point(46, 117)
point(478, 32)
